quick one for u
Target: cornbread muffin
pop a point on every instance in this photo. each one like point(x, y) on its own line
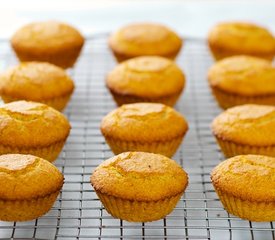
point(37, 81)
point(142, 39)
point(246, 129)
point(245, 185)
point(237, 38)
point(239, 80)
point(146, 79)
point(146, 127)
point(29, 187)
point(48, 41)
point(139, 186)
point(32, 128)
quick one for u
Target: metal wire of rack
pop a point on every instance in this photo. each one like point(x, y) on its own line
point(78, 213)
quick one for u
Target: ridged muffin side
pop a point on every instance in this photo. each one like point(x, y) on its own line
point(48, 41)
point(243, 79)
point(29, 187)
point(146, 79)
point(147, 127)
point(138, 186)
point(246, 129)
point(32, 128)
point(245, 185)
point(36, 81)
point(144, 39)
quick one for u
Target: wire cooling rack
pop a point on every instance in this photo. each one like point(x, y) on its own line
point(78, 213)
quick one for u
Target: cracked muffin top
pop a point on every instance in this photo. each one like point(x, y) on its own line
point(24, 177)
point(139, 176)
point(147, 76)
point(144, 122)
point(249, 177)
point(142, 39)
point(46, 36)
point(30, 124)
point(243, 75)
point(248, 124)
point(235, 38)
point(35, 81)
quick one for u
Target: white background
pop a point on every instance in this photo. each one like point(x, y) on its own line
point(189, 18)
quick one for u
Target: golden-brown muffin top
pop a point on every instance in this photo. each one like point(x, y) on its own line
point(31, 124)
point(147, 76)
point(242, 37)
point(243, 75)
point(35, 81)
point(144, 122)
point(140, 176)
point(249, 177)
point(47, 35)
point(248, 124)
point(23, 177)
point(145, 39)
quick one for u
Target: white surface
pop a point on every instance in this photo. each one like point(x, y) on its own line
point(189, 18)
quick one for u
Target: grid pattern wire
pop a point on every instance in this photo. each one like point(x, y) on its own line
point(78, 213)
